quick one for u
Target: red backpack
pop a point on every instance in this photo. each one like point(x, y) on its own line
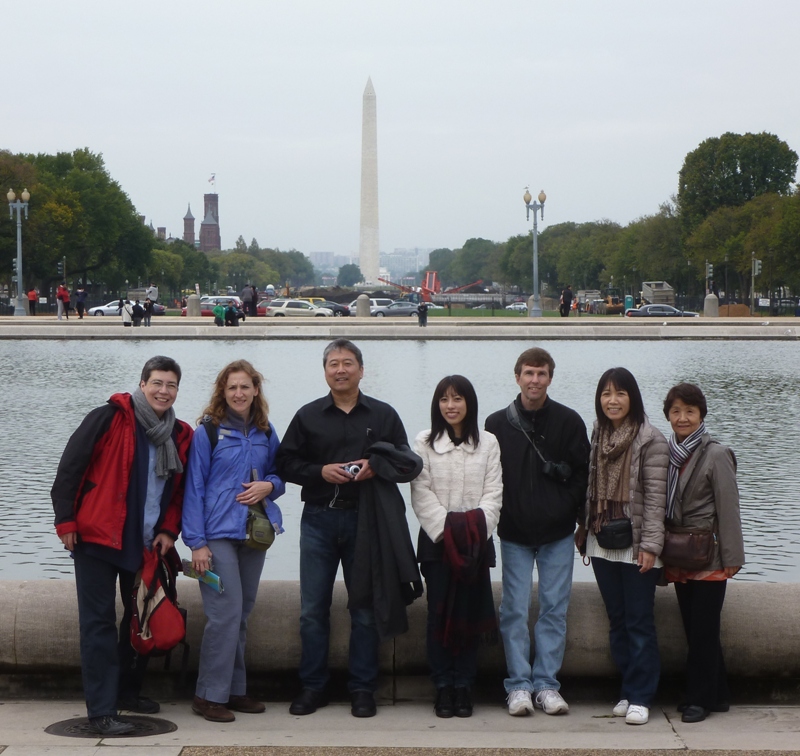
point(158, 624)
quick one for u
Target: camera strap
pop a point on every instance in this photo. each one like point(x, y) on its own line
point(521, 423)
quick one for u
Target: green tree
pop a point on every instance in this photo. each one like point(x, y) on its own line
point(729, 171)
point(253, 249)
point(474, 261)
point(241, 245)
point(349, 275)
point(440, 261)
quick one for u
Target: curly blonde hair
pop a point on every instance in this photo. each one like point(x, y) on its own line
point(218, 407)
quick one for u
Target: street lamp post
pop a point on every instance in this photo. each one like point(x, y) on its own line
point(536, 309)
point(15, 204)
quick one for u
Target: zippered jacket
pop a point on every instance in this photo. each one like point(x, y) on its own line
point(91, 486)
point(210, 509)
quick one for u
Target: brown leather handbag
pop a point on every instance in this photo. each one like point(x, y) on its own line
point(688, 548)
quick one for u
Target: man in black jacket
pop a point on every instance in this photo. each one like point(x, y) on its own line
point(324, 444)
point(545, 457)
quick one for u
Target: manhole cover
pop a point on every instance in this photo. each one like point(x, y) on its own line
point(80, 728)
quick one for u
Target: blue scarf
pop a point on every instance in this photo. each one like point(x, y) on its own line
point(679, 454)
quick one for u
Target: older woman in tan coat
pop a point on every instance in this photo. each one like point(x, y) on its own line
point(623, 534)
point(702, 494)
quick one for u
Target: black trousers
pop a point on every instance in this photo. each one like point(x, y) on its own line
point(110, 668)
point(700, 602)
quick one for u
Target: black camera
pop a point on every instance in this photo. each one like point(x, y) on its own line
point(559, 471)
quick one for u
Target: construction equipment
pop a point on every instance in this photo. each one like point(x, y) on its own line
point(430, 286)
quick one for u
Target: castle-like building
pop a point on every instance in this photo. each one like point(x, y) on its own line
point(209, 227)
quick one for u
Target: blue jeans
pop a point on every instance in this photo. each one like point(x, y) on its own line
point(629, 596)
point(554, 563)
point(327, 537)
point(222, 672)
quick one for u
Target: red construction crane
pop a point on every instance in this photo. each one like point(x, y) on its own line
point(431, 285)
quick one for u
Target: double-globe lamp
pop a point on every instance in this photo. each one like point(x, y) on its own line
point(15, 204)
point(536, 307)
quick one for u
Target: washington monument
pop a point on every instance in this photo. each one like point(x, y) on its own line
point(368, 248)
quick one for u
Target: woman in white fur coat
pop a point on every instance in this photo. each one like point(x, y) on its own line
point(461, 473)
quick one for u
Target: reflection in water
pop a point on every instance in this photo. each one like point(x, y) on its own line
point(752, 390)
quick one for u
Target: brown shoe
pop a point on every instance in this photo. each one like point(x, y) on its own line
point(246, 705)
point(213, 712)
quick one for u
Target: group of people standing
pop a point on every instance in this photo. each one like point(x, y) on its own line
point(132, 473)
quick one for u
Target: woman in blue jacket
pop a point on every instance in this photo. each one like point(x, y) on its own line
point(231, 467)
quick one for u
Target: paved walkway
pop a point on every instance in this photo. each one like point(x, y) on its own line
point(406, 729)
point(440, 328)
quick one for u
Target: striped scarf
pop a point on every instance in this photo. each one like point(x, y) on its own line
point(679, 454)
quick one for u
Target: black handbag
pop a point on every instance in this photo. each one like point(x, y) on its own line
point(615, 534)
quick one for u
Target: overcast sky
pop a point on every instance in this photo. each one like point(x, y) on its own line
point(597, 103)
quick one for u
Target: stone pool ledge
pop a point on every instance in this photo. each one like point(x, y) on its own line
point(760, 628)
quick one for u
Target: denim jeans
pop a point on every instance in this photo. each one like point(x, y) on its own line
point(447, 668)
point(110, 668)
point(554, 564)
point(629, 596)
point(222, 672)
point(327, 537)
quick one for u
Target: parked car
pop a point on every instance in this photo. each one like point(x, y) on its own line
point(517, 307)
point(280, 308)
point(314, 300)
point(208, 303)
point(396, 309)
point(373, 303)
point(339, 310)
point(660, 311)
point(112, 308)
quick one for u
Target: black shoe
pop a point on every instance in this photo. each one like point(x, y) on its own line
point(720, 707)
point(444, 702)
point(463, 702)
point(111, 726)
point(308, 702)
point(694, 713)
point(139, 704)
point(362, 704)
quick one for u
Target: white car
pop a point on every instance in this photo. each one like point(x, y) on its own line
point(112, 308)
point(373, 304)
point(517, 306)
point(296, 308)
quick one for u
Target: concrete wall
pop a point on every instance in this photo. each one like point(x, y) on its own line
point(761, 632)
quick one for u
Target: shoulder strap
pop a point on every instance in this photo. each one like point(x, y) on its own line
point(522, 424)
point(212, 431)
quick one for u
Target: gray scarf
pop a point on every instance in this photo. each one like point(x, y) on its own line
point(159, 433)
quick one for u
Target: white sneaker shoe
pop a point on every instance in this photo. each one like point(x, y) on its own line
point(519, 703)
point(551, 702)
point(637, 715)
point(621, 709)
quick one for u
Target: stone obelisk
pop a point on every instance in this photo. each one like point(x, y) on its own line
point(368, 248)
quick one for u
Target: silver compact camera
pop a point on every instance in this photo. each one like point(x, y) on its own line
point(352, 469)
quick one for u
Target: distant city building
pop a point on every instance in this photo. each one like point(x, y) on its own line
point(403, 261)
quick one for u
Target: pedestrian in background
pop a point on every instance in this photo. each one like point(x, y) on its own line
point(33, 295)
point(148, 311)
point(80, 301)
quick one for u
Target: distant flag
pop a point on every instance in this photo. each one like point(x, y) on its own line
point(213, 178)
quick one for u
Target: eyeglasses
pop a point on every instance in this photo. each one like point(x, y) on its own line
point(172, 387)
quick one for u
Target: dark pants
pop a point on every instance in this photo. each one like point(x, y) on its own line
point(629, 596)
point(700, 602)
point(447, 668)
point(110, 667)
point(327, 537)
point(80, 307)
point(32, 306)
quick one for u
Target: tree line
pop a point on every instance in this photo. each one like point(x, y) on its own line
point(735, 200)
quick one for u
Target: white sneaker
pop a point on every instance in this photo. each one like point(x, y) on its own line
point(621, 709)
point(551, 702)
point(519, 703)
point(637, 715)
